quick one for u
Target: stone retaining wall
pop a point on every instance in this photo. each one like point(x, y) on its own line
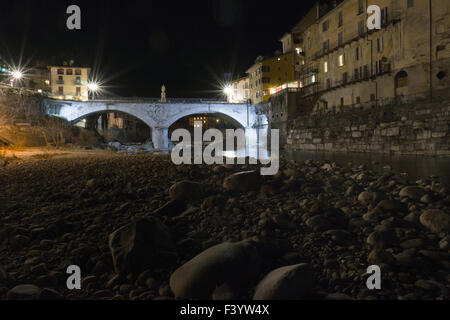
point(420, 128)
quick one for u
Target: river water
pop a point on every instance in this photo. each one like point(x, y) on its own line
point(416, 167)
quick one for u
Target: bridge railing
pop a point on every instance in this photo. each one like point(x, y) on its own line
point(158, 100)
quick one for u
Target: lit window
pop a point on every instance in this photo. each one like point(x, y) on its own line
point(325, 66)
point(341, 60)
point(314, 78)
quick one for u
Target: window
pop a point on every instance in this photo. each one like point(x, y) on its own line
point(356, 76)
point(265, 80)
point(340, 39)
point(360, 6)
point(60, 90)
point(78, 80)
point(366, 71)
point(361, 28)
point(342, 102)
point(380, 44)
point(78, 72)
point(344, 77)
point(326, 46)
point(341, 19)
point(325, 26)
point(410, 3)
point(325, 66)
point(60, 71)
point(265, 69)
point(78, 91)
point(357, 54)
point(341, 60)
point(358, 100)
point(69, 72)
point(384, 16)
point(328, 83)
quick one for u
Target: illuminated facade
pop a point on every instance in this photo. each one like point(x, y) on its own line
point(69, 82)
point(239, 90)
point(267, 74)
point(342, 64)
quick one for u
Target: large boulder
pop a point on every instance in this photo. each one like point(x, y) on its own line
point(286, 283)
point(236, 264)
point(186, 191)
point(412, 192)
point(24, 292)
point(435, 220)
point(141, 245)
point(243, 181)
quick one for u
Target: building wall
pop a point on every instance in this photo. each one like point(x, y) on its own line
point(269, 73)
point(372, 64)
point(65, 78)
point(240, 90)
point(420, 128)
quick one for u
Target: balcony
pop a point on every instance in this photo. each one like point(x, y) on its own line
point(59, 81)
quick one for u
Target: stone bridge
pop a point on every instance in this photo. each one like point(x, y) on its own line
point(159, 116)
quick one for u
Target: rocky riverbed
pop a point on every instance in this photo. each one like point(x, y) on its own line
point(140, 227)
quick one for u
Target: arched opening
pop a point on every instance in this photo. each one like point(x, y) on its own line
point(207, 121)
point(117, 126)
point(401, 85)
point(441, 75)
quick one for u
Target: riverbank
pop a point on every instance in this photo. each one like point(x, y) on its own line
point(133, 228)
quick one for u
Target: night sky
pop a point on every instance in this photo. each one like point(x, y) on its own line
point(136, 46)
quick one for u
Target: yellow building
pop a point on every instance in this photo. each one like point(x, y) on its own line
point(269, 73)
point(343, 64)
point(69, 82)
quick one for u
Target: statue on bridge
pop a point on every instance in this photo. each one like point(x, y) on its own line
point(163, 94)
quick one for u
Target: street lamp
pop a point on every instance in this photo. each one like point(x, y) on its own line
point(17, 75)
point(93, 87)
point(227, 90)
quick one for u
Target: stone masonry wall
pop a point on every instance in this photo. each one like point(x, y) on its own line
point(419, 128)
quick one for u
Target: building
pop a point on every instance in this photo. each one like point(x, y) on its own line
point(344, 65)
point(68, 82)
point(267, 74)
point(38, 78)
point(239, 90)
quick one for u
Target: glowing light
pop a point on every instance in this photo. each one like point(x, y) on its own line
point(92, 86)
point(17, 74)
point(40, 91)
point(47, 82)
point(227, 90)
point(273, 91)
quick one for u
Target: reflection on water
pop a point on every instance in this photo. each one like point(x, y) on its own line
point(415, 166)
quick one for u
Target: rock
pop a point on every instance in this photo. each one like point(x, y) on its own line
point(435, 220)
point(413, 217)
point(24, 292)
point(243, 181)
point(444, 244)
point(319, 223)
point(171, 209)
point(286, 283)
point(186, 191)
point(381, 239)
point(413, 243)
point(366, 197)
point(340, 236)
point(338, 296)
point(3, 276)
point(140, 245)
point(18, 242)
point(427, 198)
point(412, 192)
point(224, 292)
point(234, 263)
point(390, 205)
point(378, 257)
point(50, 294)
